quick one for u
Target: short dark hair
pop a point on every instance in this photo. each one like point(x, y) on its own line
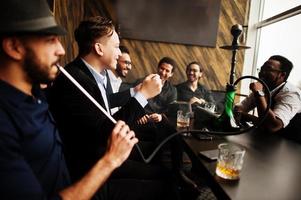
point(124, 49)
point(170, 61)
point(91, 29)
point(285, 64)
point(195, 63)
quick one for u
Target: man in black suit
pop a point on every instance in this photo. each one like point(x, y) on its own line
point(83, 128)
point(32, 164)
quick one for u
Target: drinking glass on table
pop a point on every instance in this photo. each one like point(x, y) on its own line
point(184, 114)
point(209, 106)
point(230, 161)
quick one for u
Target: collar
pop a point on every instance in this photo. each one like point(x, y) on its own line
point(276, 90)
point(99, 77)
point(113, 77)
point(16, 96)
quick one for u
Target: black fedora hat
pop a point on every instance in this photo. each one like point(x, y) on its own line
point(27, 16)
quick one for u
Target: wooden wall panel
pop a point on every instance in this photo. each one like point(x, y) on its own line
point(69, 13)
point(145, 55)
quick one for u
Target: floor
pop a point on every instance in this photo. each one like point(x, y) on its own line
point(187, 190)
point(202, 192)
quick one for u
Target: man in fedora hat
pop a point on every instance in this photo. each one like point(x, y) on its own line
point(32, 165)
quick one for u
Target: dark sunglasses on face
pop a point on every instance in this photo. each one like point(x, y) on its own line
point(266, 70)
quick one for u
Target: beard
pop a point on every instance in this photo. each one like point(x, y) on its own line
point(270, 83)
point(119, 71)
point(191, 78)
point(38, 72)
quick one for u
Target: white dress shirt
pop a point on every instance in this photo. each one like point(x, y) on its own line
point(101, 81)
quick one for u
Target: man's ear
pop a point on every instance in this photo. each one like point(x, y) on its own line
point(13, 48)
point(98, 48)
point(201, 75)
point(283, 75)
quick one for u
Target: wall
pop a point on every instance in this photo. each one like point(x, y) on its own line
point(145, 55)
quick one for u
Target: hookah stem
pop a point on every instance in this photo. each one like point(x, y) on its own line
point(230, 91)
point(233, 62)
point(94, 102)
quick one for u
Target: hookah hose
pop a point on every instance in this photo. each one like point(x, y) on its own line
point(229, 102)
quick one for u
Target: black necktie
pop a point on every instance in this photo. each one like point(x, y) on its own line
point(109, 90)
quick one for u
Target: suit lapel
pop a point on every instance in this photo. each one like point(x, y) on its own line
point(89, 81)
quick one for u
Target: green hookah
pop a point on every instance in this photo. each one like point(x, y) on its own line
point(226, 120)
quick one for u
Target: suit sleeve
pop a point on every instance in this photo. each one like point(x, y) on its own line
point(120, 98)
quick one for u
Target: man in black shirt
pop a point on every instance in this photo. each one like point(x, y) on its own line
point(191, 90)
point(158, 105)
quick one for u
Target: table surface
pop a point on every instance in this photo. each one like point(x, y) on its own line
point(270, 170)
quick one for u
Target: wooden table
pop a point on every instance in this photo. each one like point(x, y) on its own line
point(271, 167)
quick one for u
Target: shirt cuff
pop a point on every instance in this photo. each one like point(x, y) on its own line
point(141, 99)
point(132, 92)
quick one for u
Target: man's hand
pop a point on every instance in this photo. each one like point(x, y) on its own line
point(197, 100)
point(151, 86)
point(242, 117)
point(155, 117)
point(271, 123)
point(120, 144)
point(143, 120)
point(256, 86)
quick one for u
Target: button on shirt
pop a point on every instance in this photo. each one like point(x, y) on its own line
point(32, 164)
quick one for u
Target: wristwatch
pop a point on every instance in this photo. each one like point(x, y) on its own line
point(259, 93)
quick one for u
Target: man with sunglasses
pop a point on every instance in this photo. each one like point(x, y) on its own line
point(284, 115)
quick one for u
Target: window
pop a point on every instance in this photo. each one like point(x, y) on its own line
point(274, 28)
point(275, 7)
point(282, 38)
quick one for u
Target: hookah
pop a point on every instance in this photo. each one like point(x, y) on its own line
point(223, 125)
point(226, 120)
